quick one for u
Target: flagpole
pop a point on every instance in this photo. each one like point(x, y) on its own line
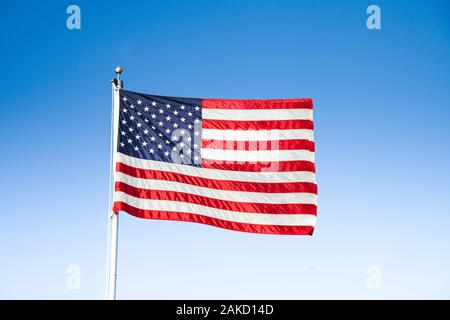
point(113, 217)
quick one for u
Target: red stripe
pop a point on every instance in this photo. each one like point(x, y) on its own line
point(230, 225)
point(250, 207)
point(267, 187)
point(273, 166)
point(257, 124)
point(258, 104)
point(298, 144)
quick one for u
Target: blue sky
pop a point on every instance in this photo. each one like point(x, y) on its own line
point(382, 114)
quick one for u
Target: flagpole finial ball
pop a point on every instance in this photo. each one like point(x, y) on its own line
point(119, 70)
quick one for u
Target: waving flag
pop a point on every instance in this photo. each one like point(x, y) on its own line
point(245, 165)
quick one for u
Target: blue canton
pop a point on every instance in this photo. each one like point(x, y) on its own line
point(160, 128)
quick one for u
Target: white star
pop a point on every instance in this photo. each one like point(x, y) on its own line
point(175, 138)
point(190, 126)
point(153, 127)
point(175, 125)
point(124, 99)
point(144, 143)
point(159, 146)
point(138, 137)
point(190, 114)
point(145, 131)
point(130, 129)
point(195, 146)
point(130, 141)
point(160, 134)
point(166, 153)
point(124, 122)
point(182, 144)
point(122, 144)
point(139, 125)
point(181, 155)
point(146, 109)
point(167, 141)
point(196, 133)
point(151, 150)
point(132, 118)
point(153, 116)
point(139, 114)
point(153, 138)
point(136, 148)
point(197, 120)
point(168, 118)
point(139, 102)
point(182, 132)
point(124, 110)
point(182, 107)
point(146, 120)
point(160, 123)
point(161, 111)
point(122, 133)
point(167, 130)
point(197, 108)
point(189, 151)
point(153, 103)
point(168, 106)
point(132, 107)
point(183, 119)
point(175, 112)
point(189, 139)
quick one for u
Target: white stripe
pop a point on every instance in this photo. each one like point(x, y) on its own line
point(242, 217)
point(228, 195)
point(257, 114)
point(257, 135)
point(257, 155)
point(295, 176)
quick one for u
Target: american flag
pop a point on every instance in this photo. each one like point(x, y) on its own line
point(245, 165)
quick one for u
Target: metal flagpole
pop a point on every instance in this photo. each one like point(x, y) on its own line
point(113, 217)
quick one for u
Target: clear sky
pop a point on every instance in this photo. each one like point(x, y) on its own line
point(382, 118)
